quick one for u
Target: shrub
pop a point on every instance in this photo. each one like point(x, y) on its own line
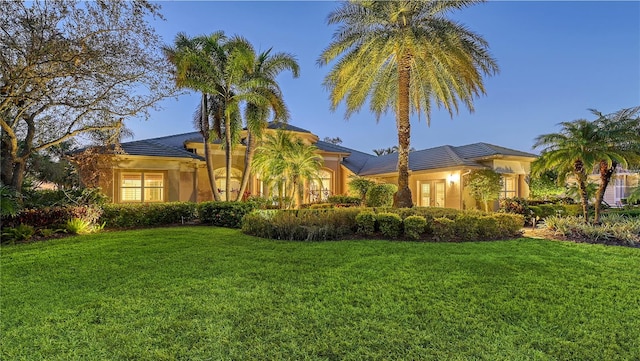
point(303, 225)
point(344, 201)
point(224, 214)
point(20, 233)
point(52, 217)
point(366, 222)
point(442, 229)
point(64, 197)
point(414, 226)
point(78, 226)
point(620, 230)
point(381, 195)
point(390, 224)
point(147, 214)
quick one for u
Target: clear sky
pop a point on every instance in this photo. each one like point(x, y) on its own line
point(557, 60)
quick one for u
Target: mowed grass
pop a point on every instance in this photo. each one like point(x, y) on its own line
point(204, 293)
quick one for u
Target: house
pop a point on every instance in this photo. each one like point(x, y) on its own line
point(622, 183)
point(173, 168)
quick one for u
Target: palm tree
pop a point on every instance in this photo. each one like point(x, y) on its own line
point(621, 137)
point(268, 100)
point(404, 56)
point(270, 161)
point(303, 164)
point(575, 150)
point(286, 163)
point(197, 66)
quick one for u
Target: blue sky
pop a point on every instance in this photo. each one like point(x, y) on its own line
point(557, 59)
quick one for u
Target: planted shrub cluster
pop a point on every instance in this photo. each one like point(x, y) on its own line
point(614, 228)
point(301, 225)
point(147, 214)
point(435, 224)
point(224, 214)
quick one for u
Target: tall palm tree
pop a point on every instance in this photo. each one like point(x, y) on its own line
point(405, 56)
point(196, 62)
point(575, 150)
point(269, 100)
point(621, 137)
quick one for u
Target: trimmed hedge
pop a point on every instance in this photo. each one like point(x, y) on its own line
point(302, 225)
point(130, 215)
point(415, 223)
point(224, 214)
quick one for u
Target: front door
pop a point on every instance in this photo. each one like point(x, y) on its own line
point(432, 193)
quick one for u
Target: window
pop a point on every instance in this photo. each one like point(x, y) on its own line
point(432, 193)
point(508, 187)
point(320, 189)
point(142, 187)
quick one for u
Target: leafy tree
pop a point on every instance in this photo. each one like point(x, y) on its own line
point(360, 186)
point(381, 195)
point(303, 165)
point(545, 185)
point(484, 185)
point(70, 69)
point(404, 56)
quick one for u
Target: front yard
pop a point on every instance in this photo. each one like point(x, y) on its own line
point(205, 293)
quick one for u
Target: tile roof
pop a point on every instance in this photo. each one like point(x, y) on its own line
point(361, 163)
point(169, 146)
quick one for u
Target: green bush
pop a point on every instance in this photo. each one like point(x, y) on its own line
point(64, 197)
point(224, 214)
point(147, 214)
point(366, 222)
point(443, 230)
point(302, 225)
point(20, 233)
point(78, 226)
point(414, 226)
point(390, 224)
point(344, 201)
point(381, 195)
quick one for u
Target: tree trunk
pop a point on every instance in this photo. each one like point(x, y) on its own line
point(606, 173)
point(204, 130)
point(402, 199)
point(581, 178)
point(227, 154)
point(248, 158)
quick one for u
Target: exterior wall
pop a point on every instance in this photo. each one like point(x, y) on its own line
point(452, 188)
point(180, 180)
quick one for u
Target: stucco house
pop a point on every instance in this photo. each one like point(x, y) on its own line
point(173, 168)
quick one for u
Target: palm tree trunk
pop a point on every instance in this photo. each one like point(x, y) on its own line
point(227, 153)
point(204, 130)
point(248, 158)
point(581, 177)
point(402, 198)
point(606, 173)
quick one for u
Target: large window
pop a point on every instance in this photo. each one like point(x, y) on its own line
point(320, 189)
point(508, 187)
point(142, 187)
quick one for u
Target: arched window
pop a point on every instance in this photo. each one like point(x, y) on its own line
point(221, 181)
point(321, 188)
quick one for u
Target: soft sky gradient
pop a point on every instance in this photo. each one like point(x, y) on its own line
point(557, 59)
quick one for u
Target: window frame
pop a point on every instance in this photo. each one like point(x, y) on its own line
point(143, 187)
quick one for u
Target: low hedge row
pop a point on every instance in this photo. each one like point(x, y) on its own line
point(224, 214)
point(130, 215)
point(301, 225)
point(414, 223)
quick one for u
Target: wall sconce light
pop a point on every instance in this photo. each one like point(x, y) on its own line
point(452, 179)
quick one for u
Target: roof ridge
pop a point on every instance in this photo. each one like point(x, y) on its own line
point(453, 154)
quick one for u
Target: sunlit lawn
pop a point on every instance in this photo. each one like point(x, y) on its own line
point(204, 293)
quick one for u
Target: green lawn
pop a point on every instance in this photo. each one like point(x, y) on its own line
point(203, 293)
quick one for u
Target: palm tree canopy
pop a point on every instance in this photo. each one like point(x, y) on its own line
point(446, 59)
